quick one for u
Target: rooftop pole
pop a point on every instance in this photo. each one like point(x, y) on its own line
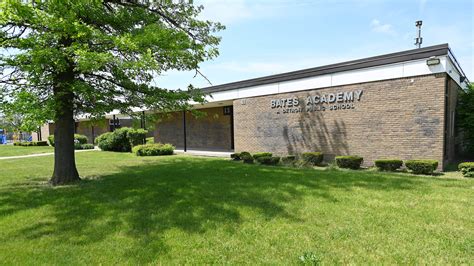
point(418, 40)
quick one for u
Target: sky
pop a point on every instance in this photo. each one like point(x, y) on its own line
point(264, 37)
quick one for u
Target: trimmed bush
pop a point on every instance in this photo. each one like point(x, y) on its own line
point(115, 141)
point(262, 154)
point(246, 157)
point(155, 149)
point(268, 160)
point(388, 164)
point(425, 167)
point(245, 153)
point(80, 138)
point(235, 156)
point(77, 138)
point(312, 158)
point(290, 159)
point(137, 136)
point(351, 161)
point(467, 169)
point(103, 141)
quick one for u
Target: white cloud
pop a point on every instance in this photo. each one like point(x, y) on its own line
point(379, 27)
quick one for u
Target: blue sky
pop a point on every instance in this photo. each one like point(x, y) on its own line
point(270, 37)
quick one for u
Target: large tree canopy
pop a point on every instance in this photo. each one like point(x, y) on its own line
point(465, 118)
point(90, 57)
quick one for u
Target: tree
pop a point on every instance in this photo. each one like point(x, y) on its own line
point(18, 118)
point(89, 57)
point(465, 118)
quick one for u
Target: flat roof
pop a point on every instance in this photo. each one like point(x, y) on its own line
point(392, 58)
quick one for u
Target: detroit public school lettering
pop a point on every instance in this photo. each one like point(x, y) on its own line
point(331, 101)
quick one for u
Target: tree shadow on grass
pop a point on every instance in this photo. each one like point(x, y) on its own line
point(190, 195)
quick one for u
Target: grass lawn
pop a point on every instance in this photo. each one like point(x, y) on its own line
point(10, 150)
point(187, 210)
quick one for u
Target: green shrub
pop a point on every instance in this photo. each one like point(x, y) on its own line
point(137, 136)
point(115, 141)
point(235, 156)
point(156, 149)
point(77, 138)
point(312, 158)
point(268, 160)
point(51, 140)
point(351, 161)
point(42, 143)
point(246, 157)
point(102, 137)
point(31, 143)
point(290, 159)
point(80, 138)
point(262, 154)
point(77, 146)
point(467, 169)
point(86, 146)
point(388, 164)
point(245, 153)
point(426, 167)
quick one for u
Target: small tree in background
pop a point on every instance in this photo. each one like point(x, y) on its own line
point(465, 118)
point(91, 57)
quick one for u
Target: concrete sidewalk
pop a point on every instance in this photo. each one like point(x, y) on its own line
point(224, 154)
point(40, 154)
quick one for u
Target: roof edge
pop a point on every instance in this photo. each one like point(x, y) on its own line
point(392, 58)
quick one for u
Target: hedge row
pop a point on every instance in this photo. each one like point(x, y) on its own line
point(426, 167)
point(350, 162)
point(87, 146)
point(31, 143)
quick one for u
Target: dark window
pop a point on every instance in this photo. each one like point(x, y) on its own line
point(228, 110)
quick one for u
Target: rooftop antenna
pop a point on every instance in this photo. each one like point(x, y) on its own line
point(418, 40)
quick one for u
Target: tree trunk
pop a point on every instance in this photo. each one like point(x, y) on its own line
point(65, 170)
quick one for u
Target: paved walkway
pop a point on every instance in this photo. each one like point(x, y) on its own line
point(205, 153)
point(188, 152)
point(40, 154)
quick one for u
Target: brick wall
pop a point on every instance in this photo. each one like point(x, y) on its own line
point(401, 118)
point(211, 131)
point(85, 128)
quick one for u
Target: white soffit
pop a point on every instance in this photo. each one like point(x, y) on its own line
point(385, 72)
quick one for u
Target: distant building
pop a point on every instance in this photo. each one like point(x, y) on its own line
point(84, 126)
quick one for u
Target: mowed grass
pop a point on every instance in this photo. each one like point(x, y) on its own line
point(189, 210)
point(10, 150)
